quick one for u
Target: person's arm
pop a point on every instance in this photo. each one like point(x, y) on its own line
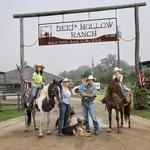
point(91, 95)
point(121, 78)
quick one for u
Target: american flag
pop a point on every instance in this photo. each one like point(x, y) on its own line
point(25, 83)
point(141, 77)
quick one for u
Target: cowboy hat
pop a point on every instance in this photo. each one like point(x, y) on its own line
point(39, 65)
point(66, 80)
point(117, 69)
point(90, 77)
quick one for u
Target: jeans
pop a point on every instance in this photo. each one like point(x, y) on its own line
point(63, 116)
point(34, 91)
point(91, 109)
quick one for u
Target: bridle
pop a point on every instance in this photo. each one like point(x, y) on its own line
point(54, 93)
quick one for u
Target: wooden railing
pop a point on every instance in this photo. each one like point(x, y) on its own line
point(12, 99)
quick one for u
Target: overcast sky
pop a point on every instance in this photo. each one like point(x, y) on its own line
point(67, 57)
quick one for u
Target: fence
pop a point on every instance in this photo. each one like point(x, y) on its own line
point(11, 102)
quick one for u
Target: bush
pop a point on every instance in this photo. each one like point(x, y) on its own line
point(140, 98)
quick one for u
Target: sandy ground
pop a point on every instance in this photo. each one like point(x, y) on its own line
point(13, 136)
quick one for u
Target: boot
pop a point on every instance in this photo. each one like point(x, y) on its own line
point(30, 102)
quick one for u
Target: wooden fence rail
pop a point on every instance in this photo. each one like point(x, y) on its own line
point(11, 102)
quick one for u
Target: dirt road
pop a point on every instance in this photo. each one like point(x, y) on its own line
point(13, 137)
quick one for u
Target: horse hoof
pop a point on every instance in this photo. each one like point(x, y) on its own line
point(26, 130)
point(109, 130)
point(36, 128)
point(121, 126)
point(48, 133)
point(118, 131)
point(40, 135)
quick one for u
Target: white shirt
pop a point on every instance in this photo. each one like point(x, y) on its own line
point(66, 95)
point(118, 76)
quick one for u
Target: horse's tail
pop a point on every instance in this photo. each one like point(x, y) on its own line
point(128, 107)
point(126, 113)
point(28, 117)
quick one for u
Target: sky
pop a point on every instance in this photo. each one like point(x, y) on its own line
point(60, 58)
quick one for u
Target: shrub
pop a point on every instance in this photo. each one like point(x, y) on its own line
point(140, 98)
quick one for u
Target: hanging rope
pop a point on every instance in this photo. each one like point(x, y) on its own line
point(31, 44)
point(126, 40)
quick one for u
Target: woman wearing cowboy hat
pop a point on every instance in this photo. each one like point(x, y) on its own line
point(37, 82)
point(117, 74)
point(64, 105)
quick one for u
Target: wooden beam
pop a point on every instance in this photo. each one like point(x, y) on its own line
point(74, 11)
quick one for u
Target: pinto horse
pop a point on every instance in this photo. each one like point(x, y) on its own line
point(44, 104)
point(115, 99)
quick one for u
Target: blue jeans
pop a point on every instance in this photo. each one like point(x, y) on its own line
point(34, 91)
point(90, 109)
point(63, 115)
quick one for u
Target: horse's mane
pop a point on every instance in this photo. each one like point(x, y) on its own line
point(112, 88)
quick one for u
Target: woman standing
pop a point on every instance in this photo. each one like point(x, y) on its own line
point(37, 82)
point(64, 105)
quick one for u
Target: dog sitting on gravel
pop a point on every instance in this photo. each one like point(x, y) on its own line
point(78, 129)
point(70, 115)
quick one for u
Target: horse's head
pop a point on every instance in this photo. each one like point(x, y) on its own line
point(115, 86)
point(55, 90)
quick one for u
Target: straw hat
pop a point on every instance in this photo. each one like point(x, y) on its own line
point(66, 80)
point(90, 77)
point(39, 65)
point(117, 69)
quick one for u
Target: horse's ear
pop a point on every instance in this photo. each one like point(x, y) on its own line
point(60, 81)
point(78, 119)
point(54, 81)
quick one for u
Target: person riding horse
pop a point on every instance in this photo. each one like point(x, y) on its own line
point(37, 83)
point(117, 75)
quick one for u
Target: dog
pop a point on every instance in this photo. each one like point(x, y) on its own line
point(78, 129)
point(70, 115)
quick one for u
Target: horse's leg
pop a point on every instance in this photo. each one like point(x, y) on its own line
point(48, 123)
point(34, 120)
point(121, 114)
point(28, 118)
point(127, 110)
point(41, 123)
point(128, 115)
point(117, 119)
point(26, 121)
point(110, 118)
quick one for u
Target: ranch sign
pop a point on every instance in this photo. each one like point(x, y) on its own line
point(73, 32)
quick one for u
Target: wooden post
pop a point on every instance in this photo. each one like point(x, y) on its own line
point(4, 88)
point(137, 40)
point(18, 101)
point(22, 57)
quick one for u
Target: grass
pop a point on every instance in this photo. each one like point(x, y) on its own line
point(100, 96)
point(141, 113)
point(8, 114)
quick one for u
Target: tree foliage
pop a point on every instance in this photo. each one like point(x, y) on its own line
point(104, 71)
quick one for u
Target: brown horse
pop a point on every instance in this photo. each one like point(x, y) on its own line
point(115, 99)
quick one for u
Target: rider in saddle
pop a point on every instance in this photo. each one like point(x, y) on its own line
point(119, 76)
point(37, 83)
